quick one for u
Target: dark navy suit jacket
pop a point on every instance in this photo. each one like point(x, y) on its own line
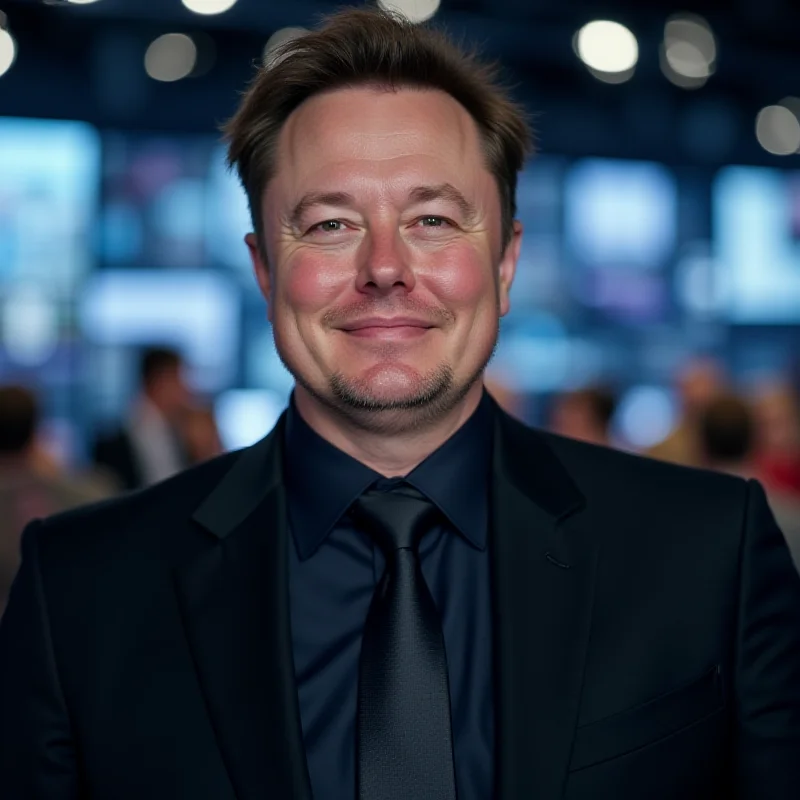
point(646, 637)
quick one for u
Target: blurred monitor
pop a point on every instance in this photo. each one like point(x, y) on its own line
point(49, 180)
point(227, 217)
point(757, 244)
point(170, 201)
point(196, 311)
point(154, 198)
point(620, 231)
point(539, 281)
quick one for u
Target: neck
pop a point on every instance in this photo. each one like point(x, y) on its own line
point(394, 453)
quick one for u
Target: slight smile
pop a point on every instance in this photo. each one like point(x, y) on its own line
point(393, 329)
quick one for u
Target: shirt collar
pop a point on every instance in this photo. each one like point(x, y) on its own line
point(323, 481)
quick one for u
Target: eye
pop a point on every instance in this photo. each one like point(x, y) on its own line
point(329, 226)
point(433, 222)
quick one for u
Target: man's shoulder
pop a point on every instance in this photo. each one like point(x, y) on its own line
point(612, 471)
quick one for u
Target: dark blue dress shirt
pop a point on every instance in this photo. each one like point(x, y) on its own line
point(333, 571)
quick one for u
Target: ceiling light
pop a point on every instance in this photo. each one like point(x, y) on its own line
point(209, 7)
point(8, 50)
point(279, 38)
point(81, 2)
point(778, 130)
point(689, 51)
point(412, 10)
point(607, 47)
point(170, 57)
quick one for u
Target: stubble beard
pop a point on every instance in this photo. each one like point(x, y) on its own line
point(434, 397)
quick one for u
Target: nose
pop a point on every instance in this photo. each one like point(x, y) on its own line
point(385, 264)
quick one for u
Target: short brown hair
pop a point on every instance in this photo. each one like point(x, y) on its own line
point(364, 46)
point(727, 429)
point(19, 418)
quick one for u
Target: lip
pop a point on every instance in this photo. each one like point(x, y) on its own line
point(387, 329)
point(371, 323)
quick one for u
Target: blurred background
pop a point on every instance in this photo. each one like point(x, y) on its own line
point(657, 303)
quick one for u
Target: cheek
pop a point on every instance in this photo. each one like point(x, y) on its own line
point(311, 284)
point(462, 279)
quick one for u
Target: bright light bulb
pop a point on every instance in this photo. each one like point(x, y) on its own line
point(8, 51)
point(412, 10)
point(209, 7)
point(81, 2)
point(607, 46)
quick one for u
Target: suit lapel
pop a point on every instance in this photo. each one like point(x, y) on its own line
point(543, 575)
point(234, 597)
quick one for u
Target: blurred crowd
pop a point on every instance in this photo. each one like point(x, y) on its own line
point(167, 429)
point(751, 432)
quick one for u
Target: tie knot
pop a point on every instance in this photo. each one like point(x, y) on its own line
point(395, 514)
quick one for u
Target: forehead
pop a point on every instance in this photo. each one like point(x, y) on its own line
point(373, 132)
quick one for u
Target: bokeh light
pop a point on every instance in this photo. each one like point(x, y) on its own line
point(412, 10)
point(689, 51)
point(8, 51)
point(30, 326)
point(170, 57)
point(209, 7)
point(778, 130)
point(608, 49)
point(646, 415)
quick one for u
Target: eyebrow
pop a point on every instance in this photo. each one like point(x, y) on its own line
point(313, 199)
point(444, 191)
point(419, 194)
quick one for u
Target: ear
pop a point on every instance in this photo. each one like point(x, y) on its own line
point(260, 269)
point(508, 268)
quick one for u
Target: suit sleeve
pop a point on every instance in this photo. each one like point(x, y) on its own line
point(37, 752)
point(767, 676)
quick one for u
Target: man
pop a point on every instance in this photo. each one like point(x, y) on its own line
point(585, 414)
point(401, 592)
point(698, 382)
point(27, 490)
point(728, 444)
point(148, 448)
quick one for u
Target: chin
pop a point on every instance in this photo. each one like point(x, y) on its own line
point(391, 388)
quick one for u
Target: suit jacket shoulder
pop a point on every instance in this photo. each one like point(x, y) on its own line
point(144, 524)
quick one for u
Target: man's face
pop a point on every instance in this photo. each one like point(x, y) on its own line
point(169, 392)
point(385, 278)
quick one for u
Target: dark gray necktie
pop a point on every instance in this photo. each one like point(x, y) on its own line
point(404, 738)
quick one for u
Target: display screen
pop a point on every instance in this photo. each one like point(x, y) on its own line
point(757, 244)
point(620, 235)
point(170, 201)
point(196, 311)
point(49, 177)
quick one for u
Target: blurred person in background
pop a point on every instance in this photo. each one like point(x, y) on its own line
point(698, 382)
point(777, 410)
point(149, 448)
point(200, 434)
point(728, 440)
point(401, 591)
point(585, 414)
point(31, 484)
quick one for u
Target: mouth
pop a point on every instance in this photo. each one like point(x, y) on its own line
point(397, 328)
